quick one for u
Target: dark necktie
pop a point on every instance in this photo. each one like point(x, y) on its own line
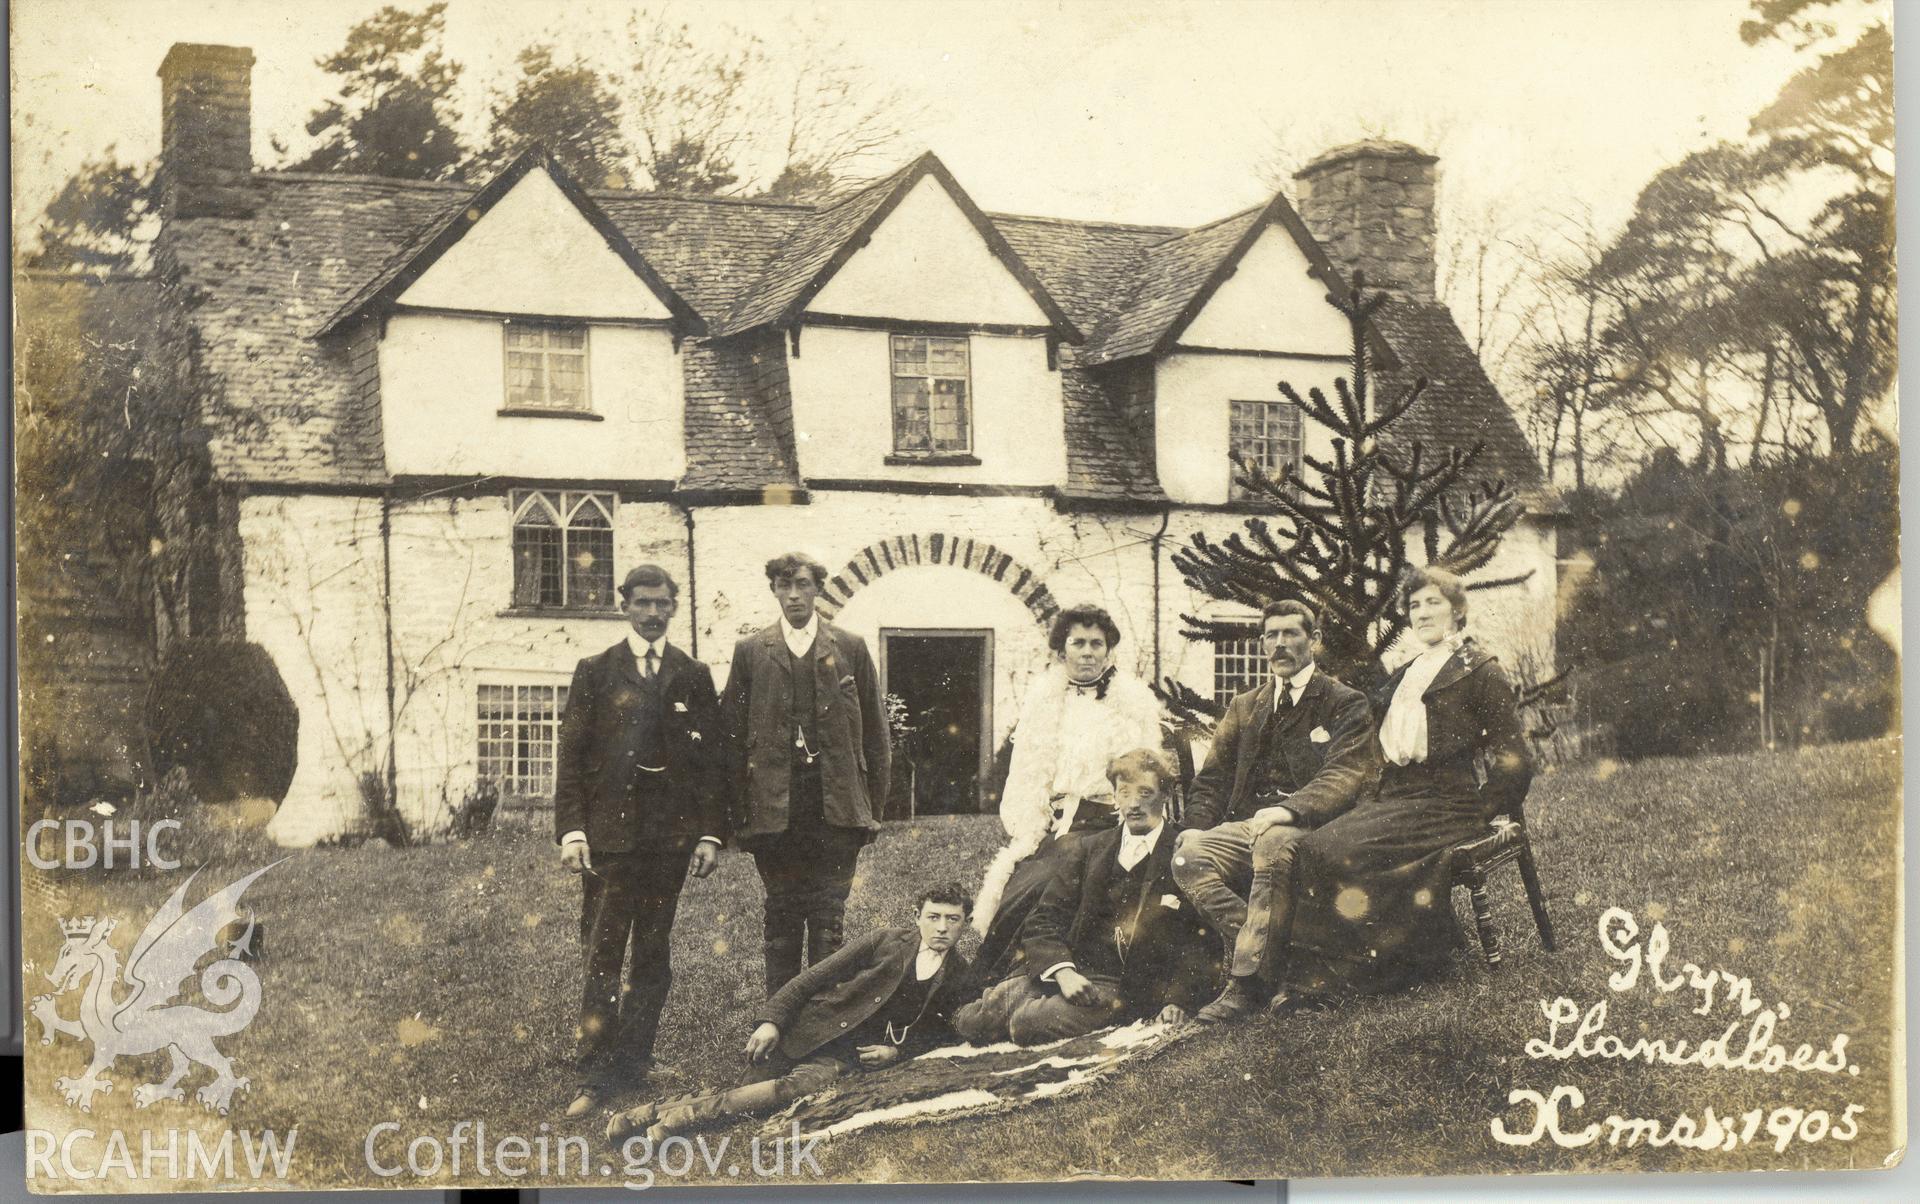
point(652, 657)
point(1286, 695)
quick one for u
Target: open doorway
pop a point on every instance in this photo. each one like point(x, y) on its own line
point(944, 676)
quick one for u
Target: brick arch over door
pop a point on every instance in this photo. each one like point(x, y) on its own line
point(876, 560)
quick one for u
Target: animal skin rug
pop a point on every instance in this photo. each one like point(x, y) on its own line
point(970, 1080)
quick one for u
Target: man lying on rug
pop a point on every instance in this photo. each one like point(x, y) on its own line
point(884, 997)
point(1112, 938)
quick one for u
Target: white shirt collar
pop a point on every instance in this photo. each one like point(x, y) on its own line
point(800, 639)
point(1445, 648)
point(927, 964)
point(1133, 849)
point(1299, 682)
point(639, 647)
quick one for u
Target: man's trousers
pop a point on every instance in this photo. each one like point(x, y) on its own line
point(627, 912)
point(808, 874)
point(1030, 1013)
point(1243, 884)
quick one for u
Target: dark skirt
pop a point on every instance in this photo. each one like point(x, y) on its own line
point(1372, 889)
point(1001, 946)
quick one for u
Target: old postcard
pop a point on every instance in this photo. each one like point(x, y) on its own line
point(621, 594)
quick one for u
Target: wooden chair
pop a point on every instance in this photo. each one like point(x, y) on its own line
point(1506, 842)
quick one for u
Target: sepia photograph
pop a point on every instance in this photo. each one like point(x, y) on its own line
point(623, 594)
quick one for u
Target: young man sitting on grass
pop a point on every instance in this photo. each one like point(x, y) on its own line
point(885, 997)
point(1112, 939)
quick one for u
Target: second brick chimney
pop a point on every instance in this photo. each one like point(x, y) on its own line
point(1370, 204)
point(206, 129)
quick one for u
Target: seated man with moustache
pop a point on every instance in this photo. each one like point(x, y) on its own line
point(1112, 938)
point(878, 1000)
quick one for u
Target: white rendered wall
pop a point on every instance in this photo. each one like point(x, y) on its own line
point(927, 262)
point(313, 600)
point(1271, 303)
point(534, 253)
point(1192, 413)
point(443, 385)
point(842, 386)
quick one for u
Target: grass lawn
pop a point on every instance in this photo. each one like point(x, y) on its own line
point(432, 985)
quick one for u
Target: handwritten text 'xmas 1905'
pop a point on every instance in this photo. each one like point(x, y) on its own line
point(1574, 1033)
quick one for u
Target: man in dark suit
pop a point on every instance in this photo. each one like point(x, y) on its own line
point(1287, 757)
point(637, 800)
point(883, 998)
point(1111, 939)
point(809, 742)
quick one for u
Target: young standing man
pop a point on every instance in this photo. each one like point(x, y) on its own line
point(809, 741)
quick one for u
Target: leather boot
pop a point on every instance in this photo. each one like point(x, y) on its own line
point(1241, 998)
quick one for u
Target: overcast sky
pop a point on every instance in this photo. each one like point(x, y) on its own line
point(1151, 112)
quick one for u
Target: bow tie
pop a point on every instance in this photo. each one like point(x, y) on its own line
point(1098, 686)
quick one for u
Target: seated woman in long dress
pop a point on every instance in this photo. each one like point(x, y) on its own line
point(1078, 715)
point(1372, 891)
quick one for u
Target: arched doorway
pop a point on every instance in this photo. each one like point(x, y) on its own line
point(956, 626)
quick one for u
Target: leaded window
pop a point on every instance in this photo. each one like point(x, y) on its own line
point(562, 549)
point(931, 413)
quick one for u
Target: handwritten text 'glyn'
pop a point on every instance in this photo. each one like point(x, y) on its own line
point(1573, 1033)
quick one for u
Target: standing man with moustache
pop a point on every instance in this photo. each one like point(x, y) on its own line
point(810, 754)
point(637, 802)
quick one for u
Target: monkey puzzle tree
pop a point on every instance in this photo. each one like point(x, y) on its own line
point(1340, 533)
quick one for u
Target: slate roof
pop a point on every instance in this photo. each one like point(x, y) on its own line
point(812, 245)
point(447, 228)
point(1460, 406)
point(1171, 273)
point(286, 406)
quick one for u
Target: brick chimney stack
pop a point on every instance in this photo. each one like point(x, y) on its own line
point(1370, 204)
point(206, 129)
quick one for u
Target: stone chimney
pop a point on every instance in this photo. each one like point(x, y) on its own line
point(206, 130)
point(1370, 205)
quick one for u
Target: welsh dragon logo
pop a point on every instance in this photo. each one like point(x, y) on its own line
point(146, 1018)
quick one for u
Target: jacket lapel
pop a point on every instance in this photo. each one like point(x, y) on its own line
point(773, 642)
point(1256, 731)
point(826, 662)
point(894, 970)
point(1103, 851)
point(1465, 659)
point(620, 661)
point(1309, 697)
point(672, 663)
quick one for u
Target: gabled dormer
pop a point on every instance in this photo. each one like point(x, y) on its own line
point(1221, 314)
point(920, 346)
point(520, 334)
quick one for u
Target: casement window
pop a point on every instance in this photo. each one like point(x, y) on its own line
point(562, 549)
point(547, 366)
point(1270, 433)
point(1239, 664)
point(520, 737)
point(932, 414)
